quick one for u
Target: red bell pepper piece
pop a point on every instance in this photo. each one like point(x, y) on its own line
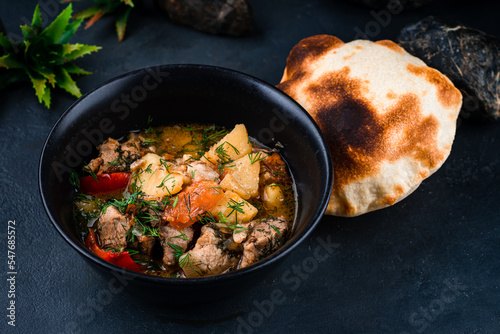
point(105, 183)
point(122, 259)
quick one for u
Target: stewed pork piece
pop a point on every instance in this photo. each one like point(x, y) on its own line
point(174, 242)
point(113, 227)
point(210, 256)
point(266, 237)
point(115, 156)
point(198, 171)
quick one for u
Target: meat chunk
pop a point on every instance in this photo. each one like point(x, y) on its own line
point(210, 256)
point(130, 150)
point(267, 236)
point(115, 157)
point(242, 233)
point(170, 236)
point(273, 170)
point(113, 227)
point(108, 156)
point(199, 171)
point(146, 244)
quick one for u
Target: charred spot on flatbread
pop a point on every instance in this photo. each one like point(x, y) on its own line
point(360, 139)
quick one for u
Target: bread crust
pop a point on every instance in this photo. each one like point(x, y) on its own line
point(389, 119)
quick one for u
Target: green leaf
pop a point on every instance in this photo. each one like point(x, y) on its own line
point(47, 74)
point(27, 32)
point(64, 80)
point(40, 86)
point(37, 18)
point(68, 48)
point(103, 7)
point(70, 31)
point(88, 12)
point(9, 61)
point(5, 43)
point(56, 29)
point(121, 23)
point(46, 97)
point(74, 69)
point(128, 3)
point(81, 50)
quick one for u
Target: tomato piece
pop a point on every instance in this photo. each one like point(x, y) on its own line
point(105, 183)
point(122, 259)
point(194, 200)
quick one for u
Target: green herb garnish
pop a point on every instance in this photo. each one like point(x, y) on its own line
point(255, 157)
point(178, 250)
point(275, 229)
point(74, 180)
point(87, 169)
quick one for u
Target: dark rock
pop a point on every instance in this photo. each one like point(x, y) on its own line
point(469, 57)
point(228, 17)
point(403, 4)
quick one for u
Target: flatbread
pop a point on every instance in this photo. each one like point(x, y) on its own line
point(389, 119)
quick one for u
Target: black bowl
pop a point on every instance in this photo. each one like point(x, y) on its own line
point(185, 94)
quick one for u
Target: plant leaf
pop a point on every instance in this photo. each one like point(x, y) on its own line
point(121, 23)
point(55, 30)
point(8, 61)
point(128, 3)
point(46, 97)
point(74, 69)
point(40, 86)
point(70, 31)
point(5, 43)
point(81, 50)
point(47, 74)
point(100, 13)
point(64, 80)
point(87, 12)
point(37, 18)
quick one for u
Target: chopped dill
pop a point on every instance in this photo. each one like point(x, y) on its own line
point(256, 157)
point(164, 163)
point(222, 153)
point(178, 250)
point(74, 180)
point(218, 190)
point(275, 229)
point(182, 236)
point(188, 203)
point(150, 128)
point(87, 169)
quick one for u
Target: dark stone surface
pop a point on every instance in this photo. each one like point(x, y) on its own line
point(427, 265)
point(469, 57)
point(381, 4)
point(231, 17)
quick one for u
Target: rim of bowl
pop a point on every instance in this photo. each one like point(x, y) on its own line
point(283, 251)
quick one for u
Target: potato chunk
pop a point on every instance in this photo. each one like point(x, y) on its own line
point(234, 209)
point(243, 177)
point(152, 175)
point(273, 199)
point(233, 146)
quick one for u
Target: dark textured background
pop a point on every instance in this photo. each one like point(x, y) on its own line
point(430, 264)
